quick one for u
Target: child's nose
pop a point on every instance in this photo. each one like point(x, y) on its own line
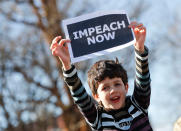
point(112, 90)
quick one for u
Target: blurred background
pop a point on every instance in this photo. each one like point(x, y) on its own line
point(33, 96)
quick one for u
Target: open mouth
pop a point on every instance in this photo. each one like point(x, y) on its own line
point(115, 99)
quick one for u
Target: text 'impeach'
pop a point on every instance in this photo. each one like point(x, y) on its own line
point(101, 32)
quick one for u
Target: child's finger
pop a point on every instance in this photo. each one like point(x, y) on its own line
point(140, 29)
point(53, 52)
point(132, 24)
point(139, 25)
point(54, 41)
point(66, 44)
point(143, 29)
point(135, 25)
point(63, 41)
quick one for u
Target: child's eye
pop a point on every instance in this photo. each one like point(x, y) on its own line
point(105, 88)
point(117, 84)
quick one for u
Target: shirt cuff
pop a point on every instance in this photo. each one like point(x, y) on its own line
point(142, 54)
point(70, 72)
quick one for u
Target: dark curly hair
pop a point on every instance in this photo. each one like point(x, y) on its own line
point(105, 68)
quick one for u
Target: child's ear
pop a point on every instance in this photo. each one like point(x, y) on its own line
point(96, 97)
point(126, 87)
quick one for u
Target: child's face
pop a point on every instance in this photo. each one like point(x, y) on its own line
point(112, 93)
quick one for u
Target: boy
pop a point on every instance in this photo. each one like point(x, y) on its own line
point(109, 85)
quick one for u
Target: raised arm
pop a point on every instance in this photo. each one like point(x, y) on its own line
point(142, 90)
point(79, 94)
point(59, 48)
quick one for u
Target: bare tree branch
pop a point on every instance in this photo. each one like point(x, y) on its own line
point(53, 90)
point(20, 1)
point(7, 116)
point(67, 7)
point(36, 12)
point(11, 18)
point(16, 1)
point(30, 80)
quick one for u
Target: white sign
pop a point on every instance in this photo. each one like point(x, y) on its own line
point(97, 34)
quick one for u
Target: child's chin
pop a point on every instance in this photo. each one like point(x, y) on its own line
point(114, 106)
point(117, 107)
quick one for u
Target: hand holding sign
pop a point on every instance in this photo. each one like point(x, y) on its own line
point(59, 48)
point(140, 34)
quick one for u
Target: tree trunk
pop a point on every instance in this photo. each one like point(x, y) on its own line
point(72, 120)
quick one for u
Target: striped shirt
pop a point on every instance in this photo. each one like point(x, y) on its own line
point(132, 117)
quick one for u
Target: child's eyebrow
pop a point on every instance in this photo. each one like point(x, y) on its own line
point(117, 81)
point(106, 84)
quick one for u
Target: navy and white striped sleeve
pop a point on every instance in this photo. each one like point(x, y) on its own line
point(80, 96)
point(142, 90)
